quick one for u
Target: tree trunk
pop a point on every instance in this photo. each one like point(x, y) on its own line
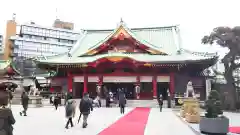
point(231, 96)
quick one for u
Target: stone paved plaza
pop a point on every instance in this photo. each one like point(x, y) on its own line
point(47, 121)
point(234, 122)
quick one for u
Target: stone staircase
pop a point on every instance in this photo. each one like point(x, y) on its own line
point(130, 103)
point(145, 103)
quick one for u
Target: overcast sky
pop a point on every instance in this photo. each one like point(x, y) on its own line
point(195, 17)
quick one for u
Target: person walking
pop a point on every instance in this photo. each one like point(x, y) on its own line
point(57, 101)
point(107, 100)
point(24, 100)
point(96, 102)
point(122, 102)
point(7, 119)
point(70, 112)
point(160, 102)
point(85, 107)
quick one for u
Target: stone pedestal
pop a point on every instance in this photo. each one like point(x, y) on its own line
point(190, 110)
point(35, 101)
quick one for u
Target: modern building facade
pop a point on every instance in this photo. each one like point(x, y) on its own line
point(1, 43)
point(11, 29)
point(144, 62)
point(31, 40)
point(1, 47)
point(34, 40)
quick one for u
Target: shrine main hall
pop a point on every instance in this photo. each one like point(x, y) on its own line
point(125, 58)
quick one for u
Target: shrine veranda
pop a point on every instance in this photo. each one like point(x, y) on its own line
point(151, 58)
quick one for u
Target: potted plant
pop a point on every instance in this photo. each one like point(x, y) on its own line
point(214, 122)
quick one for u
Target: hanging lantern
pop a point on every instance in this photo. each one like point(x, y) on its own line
point(147, 65)
point(115, 59)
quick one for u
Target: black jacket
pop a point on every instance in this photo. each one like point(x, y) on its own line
point(160, 101)
point(6, 121)
point(57, 100)
point(85, 106)
point(25, 100)
point(122, 99)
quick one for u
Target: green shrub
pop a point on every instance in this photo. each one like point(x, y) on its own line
point(213, 105)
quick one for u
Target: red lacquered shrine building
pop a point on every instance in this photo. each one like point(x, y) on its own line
point(151, 58)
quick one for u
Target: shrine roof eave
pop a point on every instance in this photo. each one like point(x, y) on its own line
point(135, 57)
point(5, 65)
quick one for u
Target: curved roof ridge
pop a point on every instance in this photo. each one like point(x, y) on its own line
point(143, 40)
point(137, 28)
point(78, 43)
point(107, 37)
point(122, 24)
point(199, 53)
point(50, 57)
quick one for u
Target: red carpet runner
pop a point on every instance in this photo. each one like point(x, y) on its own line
point(235, 130)
point(131, 124)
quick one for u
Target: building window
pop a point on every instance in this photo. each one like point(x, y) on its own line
point(44, 31)
point(47, 33)
point(29, 29)
point(17, 42)
point(63, 41)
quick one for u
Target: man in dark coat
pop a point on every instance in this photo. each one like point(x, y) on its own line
point(24, 99)
point(6, 116)
point(6, 121)
point(70, 111)
point(85, 107)
point(160, 102)
point(122, 102)
point(57, 101)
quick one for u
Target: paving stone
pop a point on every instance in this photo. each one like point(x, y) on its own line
point(48, 121)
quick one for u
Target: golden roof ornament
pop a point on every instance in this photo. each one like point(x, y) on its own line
point(121, 21)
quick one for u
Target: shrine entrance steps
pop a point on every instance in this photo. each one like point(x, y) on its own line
point(145, 103)
point(130, 103)
point(140, 103)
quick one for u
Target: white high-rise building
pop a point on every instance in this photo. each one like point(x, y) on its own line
point(34, 40)
point(1, 43)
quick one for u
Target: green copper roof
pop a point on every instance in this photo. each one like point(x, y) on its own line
point(164, 39)
point(185, 57)
point(4, 64)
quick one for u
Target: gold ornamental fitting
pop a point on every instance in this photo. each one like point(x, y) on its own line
point(180, 101)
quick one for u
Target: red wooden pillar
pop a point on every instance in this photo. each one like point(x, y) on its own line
point(85, 83)
point(70, 82)
point(154, 82)
point(172, 84)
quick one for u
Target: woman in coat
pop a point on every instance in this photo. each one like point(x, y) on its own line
point(70, 111)
point(160, 102)
point(57, 101)
point(6, 116)
point(24, 100)
point(122, 102)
